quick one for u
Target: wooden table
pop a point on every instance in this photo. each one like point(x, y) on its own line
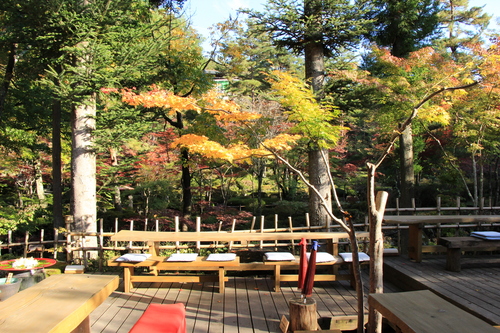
point(416, 225)
point(153, 238)
point(425, 312)
point(59, 304)
point(455, 246)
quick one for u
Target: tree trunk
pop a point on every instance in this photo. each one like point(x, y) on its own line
point(40, 192)
point(57, 206)
point(187, 196)
point(318, 177)
point(9, 74)
point(475, 179)
point(83, 163)
point(376, 209)
point(406, 168)
point(315, 69)
point(117, 199)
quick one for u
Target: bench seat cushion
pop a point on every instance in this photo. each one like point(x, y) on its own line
point(279, 256)
point(162, 318)
point(183, 257)
point(347, 256)
point(134, 257)
point(322, 257)
point(221, 257)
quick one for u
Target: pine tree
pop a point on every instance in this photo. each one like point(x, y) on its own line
point(315, 29)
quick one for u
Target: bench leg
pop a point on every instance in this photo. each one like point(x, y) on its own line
point(277, 278)
point(127, 273)
point(221, 280)
point(453, 260)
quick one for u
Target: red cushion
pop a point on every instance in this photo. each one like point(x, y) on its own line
point(162, 318)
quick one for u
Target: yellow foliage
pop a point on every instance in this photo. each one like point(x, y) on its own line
point(200, 144)
point(436, 113)
point(224, 109)
point(281, 142)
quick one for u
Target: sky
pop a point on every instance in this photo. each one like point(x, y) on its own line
point(205, 13)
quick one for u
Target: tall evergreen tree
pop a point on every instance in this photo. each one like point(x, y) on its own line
point(404, 26)
point(461, 24)
point(315, 29)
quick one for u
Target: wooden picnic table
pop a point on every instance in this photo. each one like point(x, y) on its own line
point(153, 238)
point(455, 246)
point(61, 303)
point(416, 224)
point(425, 312)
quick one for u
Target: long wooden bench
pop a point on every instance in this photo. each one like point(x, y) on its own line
point(156, 263)
point(455, 246)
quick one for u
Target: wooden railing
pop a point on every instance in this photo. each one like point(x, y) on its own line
point(74, 243)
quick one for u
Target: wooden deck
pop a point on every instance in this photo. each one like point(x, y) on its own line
point(250, 305)
point(474, 289)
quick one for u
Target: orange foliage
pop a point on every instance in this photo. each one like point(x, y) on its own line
point(159, 98)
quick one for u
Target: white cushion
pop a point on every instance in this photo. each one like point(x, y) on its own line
point(347, 256)
point(221, 257)
point(183, 257)
point(134, 257)
point(279, 256)
point(322, 256)
point(491, 235)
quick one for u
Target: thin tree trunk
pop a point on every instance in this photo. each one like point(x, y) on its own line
point(9, 74)
point(117, 199)
point(187, 195)
point(406, 167)
point(40, 192)
point(57, 206)
point(474, 177)
point(376, 208)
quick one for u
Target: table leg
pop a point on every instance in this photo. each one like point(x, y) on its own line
point(415, 242)
point(453, 260)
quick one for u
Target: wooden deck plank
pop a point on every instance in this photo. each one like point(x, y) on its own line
point(217, 313)
point(257, 315)
point(271, 314)
point(243, 307)
point(230, 310)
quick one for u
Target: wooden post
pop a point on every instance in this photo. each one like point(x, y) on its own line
point(303, 314)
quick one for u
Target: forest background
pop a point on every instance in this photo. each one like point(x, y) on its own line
point(110, 109)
